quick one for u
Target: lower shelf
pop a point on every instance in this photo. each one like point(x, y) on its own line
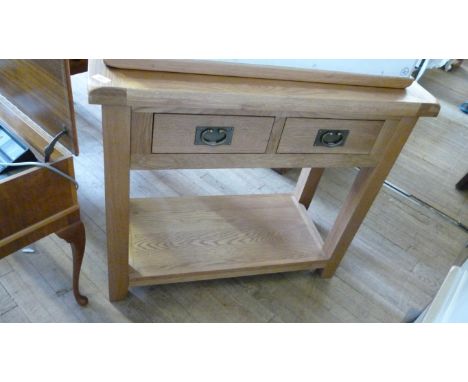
point(209, 237)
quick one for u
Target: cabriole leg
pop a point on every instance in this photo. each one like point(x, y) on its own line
point(75, 235)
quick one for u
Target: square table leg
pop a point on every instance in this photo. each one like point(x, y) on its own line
point(116, 136)
point(307, 185)
point(360, 198)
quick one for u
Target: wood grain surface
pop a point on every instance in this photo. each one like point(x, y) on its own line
point(20, 125)
point(186, 239)
point(171, 139)
point(32, 196)
point(189, 93)
point(116, 141)
point(175, 133)
point(180, 161)
point(42, 90)
point(299, 136)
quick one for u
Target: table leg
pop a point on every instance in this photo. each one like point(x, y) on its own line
point(363, 192)
point(116, 137)
point(75, 235)
point(307, 185)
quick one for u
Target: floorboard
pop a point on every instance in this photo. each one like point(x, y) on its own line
point(435, 157)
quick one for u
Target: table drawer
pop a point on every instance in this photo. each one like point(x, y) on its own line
point(309, 136)
point(187, 133)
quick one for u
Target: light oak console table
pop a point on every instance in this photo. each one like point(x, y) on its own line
point(161, 120)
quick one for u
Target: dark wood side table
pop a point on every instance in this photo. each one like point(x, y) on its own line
point(36, 105)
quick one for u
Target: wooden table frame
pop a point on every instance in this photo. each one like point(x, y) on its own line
point(130, 98)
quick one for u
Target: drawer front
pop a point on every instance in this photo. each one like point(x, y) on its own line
point(209, 134)
point(310, 136)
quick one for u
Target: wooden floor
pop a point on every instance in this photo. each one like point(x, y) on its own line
point(436, 155)
point(394, 267)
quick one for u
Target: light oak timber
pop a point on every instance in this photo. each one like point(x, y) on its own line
point(261, 71)
point(142, 89)
point(307, 184)
point(199, 238)
point(116, 139)
point(363, 192)
point(385, 135)
point(142, 133)
point(375, 116)
point(299, 136)
point(275, 135)
point(336, 114)
point(179, 161)
point(175, 133)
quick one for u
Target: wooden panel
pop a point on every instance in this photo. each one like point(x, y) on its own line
point(20, 124)
point(299, 135)
point(41, 89)
point(170, 161)
point(32, 196)
point(116, 139)
point(307, 185)
point(181, 239)
point(261, 71)
point(39, 230)
point(141, 133)
point(177, 91)
point(314, 111)
point(275, 135)
point(174, 133)
point(385, 135)
point(34, 227)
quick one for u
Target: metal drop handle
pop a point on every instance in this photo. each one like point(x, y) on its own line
point(332, 139)
point(214, 137)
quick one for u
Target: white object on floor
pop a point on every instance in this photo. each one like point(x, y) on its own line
point(431, 64)
point(451, 301)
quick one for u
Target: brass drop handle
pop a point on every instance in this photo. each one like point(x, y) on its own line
point(213, 137)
